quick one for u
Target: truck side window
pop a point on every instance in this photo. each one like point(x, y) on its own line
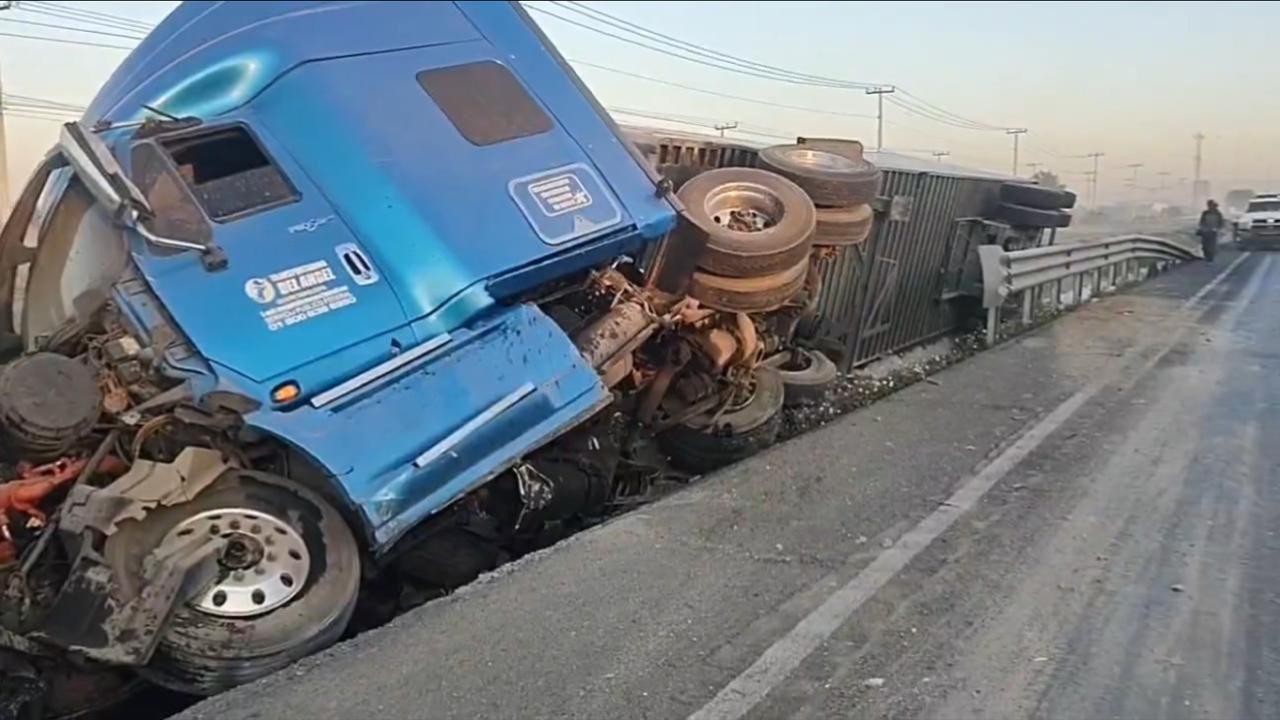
point(170, 197)
point(485, 102)
point(228, 173)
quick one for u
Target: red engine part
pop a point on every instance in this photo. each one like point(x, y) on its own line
point(32, 486)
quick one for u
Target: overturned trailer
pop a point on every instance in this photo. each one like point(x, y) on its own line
point(901, 283)
point(323, 308)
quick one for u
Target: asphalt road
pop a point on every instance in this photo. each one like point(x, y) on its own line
point(1080, 523)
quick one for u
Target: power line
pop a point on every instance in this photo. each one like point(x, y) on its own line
point(43, 101)
point(750, 67)
point(671, 53)
point(58, 9)
point(717, 93)
point(714, 55)
point(703, 122)
point(33, 23)
point(65, 41)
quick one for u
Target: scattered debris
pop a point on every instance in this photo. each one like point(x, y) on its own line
point(1177, 587)
point(1040, 659)
point(861, 540)
point(886, 543)
point(873, 682)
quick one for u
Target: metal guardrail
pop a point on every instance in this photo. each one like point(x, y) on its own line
point(1100, 265)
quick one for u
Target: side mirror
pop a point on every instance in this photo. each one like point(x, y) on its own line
point(101, 174)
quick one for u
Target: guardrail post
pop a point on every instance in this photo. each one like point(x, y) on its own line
point(993, 324)
point(1027, 297)
point(1079, 298)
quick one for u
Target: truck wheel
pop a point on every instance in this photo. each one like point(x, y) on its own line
point(832, 179)
point(806, 375)
point(1023, 216)
point(289, 581)
point(1037, 196)
point(749, 295)
point(843, 226)
point(756, 223)
point(706, 442)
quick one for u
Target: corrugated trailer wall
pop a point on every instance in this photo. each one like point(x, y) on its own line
point(888, 293)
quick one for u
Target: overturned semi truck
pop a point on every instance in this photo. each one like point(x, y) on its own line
point(324, 308)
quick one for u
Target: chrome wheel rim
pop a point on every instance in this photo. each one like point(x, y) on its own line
point(263, 562)
point(744, 207)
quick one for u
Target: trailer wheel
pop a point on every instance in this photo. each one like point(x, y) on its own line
point(831, 178)
point(706, 442)
point(757, 223)
point(843, 226)
point(749, 295)
point(1037, 196)
point(1023, 216)
point(290, 576)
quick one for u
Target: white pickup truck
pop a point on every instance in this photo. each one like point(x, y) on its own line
point(1259, 225)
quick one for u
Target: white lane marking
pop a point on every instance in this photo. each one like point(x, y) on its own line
point(769, 670)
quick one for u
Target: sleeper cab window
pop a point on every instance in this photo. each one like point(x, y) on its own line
point(485, 102)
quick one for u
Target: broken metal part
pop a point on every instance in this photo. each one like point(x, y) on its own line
point(146, 485)
point(98, 461)
point(92, 617)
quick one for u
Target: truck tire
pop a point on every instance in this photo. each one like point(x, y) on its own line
point(843, 226)
point(286, 530)
point(1037, 196)
point(806, 375)
point(832, 179)
point(749, 295)
point(705, 442)
point(851, 149)
point(1023, 216)
point(757, 223)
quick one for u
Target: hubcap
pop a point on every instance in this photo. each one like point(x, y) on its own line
point(264, 561)
point(744, 207)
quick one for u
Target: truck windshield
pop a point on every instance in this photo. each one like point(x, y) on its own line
point(1264, 206)
point(79, 254)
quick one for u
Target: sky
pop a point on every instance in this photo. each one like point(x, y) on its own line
point(1133, 80)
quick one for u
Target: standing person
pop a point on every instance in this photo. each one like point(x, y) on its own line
point(1211, 222)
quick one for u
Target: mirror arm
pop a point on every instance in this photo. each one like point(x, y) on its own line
point(211, 256)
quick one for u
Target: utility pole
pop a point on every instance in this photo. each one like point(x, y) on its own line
point(939, 154)
point(1093, 182)
point(725, 126)
point(1134, 167)
point(1033, 167)
point(1015, 132)
point(1195, 184)
point(1164, 178)
point(880, 92)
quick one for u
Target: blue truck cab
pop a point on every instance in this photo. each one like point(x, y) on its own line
point(342, 214)
point(386, 180)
